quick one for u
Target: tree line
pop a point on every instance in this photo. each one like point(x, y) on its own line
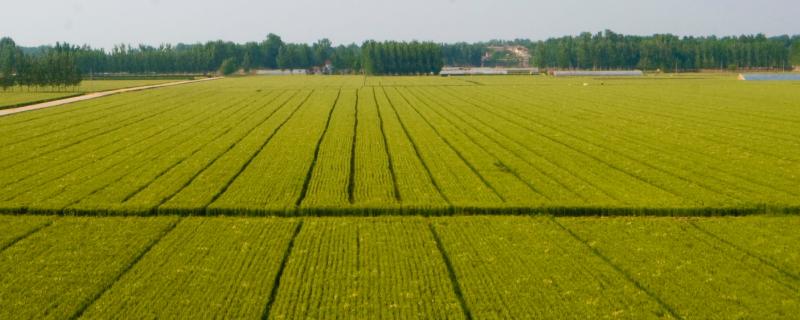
point(401, 58)
point(214, 56)
point(55, 67)
point(604, 50)
point(666, 52)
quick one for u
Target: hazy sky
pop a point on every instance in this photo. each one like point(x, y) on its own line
point(102, 23)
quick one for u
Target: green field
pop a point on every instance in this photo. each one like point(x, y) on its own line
point(23, 96)
point(480, 267)
point(304, 145)
point(406, 198)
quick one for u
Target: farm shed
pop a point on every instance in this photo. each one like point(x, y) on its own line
point(456, 71)
point(769, 76)
point(588, 73)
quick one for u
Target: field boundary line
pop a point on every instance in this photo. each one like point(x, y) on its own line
point(94, 95)
point(450, 145)
point(416, 150)
point(392, 173)
point(85, 306)
point(619, 269)
point(451, 272)
point(255, 154)
point(273, 294)
point(27, 234)
point(313, 164)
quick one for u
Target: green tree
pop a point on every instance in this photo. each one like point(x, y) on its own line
point(228, 67)
point(795, 51)
point(271, 48)
point(323, 51)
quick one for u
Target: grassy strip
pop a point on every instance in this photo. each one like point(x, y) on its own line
point(23, 104)
point(432, 211)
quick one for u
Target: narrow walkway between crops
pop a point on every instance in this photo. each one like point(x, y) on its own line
point(94, 95)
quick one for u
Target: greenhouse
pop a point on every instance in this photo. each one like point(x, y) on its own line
point(770, 76)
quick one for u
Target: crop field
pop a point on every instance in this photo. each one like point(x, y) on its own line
point(22, 96)
point(329, 197)
point(466, 267)
point(304, 145)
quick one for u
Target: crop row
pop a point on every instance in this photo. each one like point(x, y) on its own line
point(254, 146)
point(482, 267)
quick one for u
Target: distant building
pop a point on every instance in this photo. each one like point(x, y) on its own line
point(769, 76)
point(589, 73)
point(468, 71)
point(278, 72)
point(517, 56)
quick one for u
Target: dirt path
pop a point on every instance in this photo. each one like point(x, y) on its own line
point(93, 95)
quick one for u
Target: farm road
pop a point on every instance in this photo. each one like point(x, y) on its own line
point(94, 95)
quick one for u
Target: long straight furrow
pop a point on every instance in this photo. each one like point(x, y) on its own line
point(498, 161)
point(589, 151)
point(307, 179)
point(406, 145)
point(351, 179)
point(551, 167)
point(416, 150)
point(716, 170)
point(392, 170)
point(469, 164)
point(255, 154)
point(70, 167)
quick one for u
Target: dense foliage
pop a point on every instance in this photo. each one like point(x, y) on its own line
point(55, 67)
point(393, 58)
point(605, 50)
point(609, 50)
